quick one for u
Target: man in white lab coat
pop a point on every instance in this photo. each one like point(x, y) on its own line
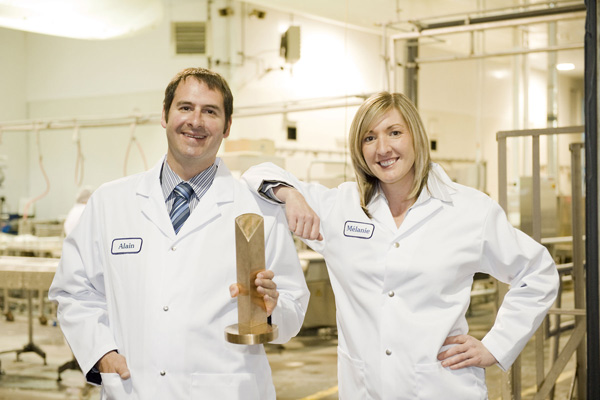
point(142, 301)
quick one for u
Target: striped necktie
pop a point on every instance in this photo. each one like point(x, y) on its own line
point(181, 209)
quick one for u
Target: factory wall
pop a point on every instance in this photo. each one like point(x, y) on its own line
point(463, 104)
point(128, 76)
point(14, 155)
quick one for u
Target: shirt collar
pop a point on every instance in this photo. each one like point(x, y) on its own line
point(200, 183)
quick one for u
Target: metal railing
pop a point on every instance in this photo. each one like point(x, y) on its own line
point(546, 382)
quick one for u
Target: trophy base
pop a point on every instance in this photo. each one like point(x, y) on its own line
point(263, 335)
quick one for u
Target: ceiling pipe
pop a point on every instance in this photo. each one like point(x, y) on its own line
point(507, 17)
point(499, 54)
point(155, 118)
point(495, 22)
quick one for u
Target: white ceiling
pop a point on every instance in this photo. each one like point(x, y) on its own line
point(81, 19)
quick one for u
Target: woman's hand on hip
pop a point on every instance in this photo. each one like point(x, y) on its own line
point(466, 352)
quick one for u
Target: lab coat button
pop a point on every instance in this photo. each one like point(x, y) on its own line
point(391, 293)
point(388, 352)
point(163, 373)
point(166, 308)
point(396, 244)
point(173, 248)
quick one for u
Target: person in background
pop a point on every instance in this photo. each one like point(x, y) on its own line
point(143, 285)
point(75, 212)
point(402, 245)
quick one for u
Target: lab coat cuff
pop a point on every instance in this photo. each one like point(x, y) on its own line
point(266, 190)
point(93, 374)
point(504, 361)
point(278, 318)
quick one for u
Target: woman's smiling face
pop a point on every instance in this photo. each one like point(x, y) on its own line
point(389, 152)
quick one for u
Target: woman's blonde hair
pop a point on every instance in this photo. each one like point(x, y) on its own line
point(368, 113)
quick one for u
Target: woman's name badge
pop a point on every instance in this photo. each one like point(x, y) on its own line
point(360, 230)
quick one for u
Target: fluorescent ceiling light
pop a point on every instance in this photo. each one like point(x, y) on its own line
point(565, 67)
point(80, 19)
point(499, 73)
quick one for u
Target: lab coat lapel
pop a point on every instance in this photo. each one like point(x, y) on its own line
point(418, 213)
point(432, 199)
point(380, 211)
point(152, 201)
point(221, 191)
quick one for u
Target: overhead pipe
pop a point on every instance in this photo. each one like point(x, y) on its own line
point(155, 118)
point(507, 17)
point(494, 22)
point(499, 54)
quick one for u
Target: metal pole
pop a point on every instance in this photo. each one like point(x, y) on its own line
point(578, 257)
point(502, 174)
point(537, 202)
point(591, 199)
point(552, 103)
point(552, 172)
point(411, 84)
point(392, 70)
point(508, 378)
point(537, 235)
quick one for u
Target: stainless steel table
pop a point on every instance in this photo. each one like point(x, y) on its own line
point(29, 274)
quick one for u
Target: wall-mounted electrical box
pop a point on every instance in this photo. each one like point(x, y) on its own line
point(290, 44)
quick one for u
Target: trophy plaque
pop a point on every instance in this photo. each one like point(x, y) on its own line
point(252, 326)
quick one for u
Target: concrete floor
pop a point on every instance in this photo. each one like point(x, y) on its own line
point(304, 368)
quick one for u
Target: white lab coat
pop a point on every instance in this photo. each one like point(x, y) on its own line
point(400, 292)
point(127, 282)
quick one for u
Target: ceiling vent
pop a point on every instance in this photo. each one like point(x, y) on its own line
point(190, 37)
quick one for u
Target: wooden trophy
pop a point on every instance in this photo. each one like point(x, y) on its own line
point(252, 326)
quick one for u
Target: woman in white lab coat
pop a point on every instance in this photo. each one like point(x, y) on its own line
point(402, 245)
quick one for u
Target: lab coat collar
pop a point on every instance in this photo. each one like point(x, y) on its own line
point(222, 188)
point(439, 187)
point(152, 202)
point(221, 191)
point(150, 180)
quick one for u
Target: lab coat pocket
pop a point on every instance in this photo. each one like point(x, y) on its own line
point(115, 388)
point(240, 386)
point(351, 377)
point(436, 382)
